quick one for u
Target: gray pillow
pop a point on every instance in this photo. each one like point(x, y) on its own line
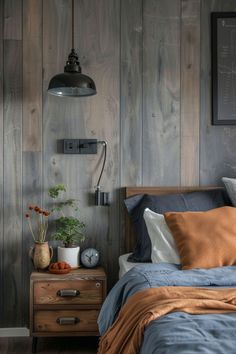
point(230, 185)
point(195, 201)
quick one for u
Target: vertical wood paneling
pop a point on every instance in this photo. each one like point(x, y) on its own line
point(56, 24)
point(56, 46)
point(217, 144)
point(12, 19)
point(131, 82)
point(32, 194)
point(32, 75)
point(99, 117)
point(190, 91)
point(32, 127)
point(144, 58)
point(1, 163)
point(131, 92)
point(85, 117)
point(12, 248)
point(161, 92)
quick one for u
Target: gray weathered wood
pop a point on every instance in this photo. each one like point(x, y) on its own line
point(99, 59)
point(131, 92)
point(13, 19)
point(32, 194)
point(131, 82)
point(190, 91)
point(32, 128)
point(144, 58)
point(12, 312)
point(100, 118)
point(32, 75)
point(1, 164)
point(56, 24)
point(218, 153)
point(161, 92)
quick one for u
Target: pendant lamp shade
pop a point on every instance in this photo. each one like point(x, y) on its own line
point(72, 83)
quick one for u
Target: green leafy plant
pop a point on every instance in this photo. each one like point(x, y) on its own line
point(69, 229)
point(54, 192)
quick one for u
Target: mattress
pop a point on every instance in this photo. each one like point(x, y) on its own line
point(125, 266)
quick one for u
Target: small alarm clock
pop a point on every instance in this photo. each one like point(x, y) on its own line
point(90, 257)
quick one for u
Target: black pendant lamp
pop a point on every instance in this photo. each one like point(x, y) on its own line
point(72, 83)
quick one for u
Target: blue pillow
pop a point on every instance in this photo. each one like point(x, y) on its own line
point(194, 201)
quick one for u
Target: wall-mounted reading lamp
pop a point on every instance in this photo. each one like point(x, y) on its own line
point(72, 83)
point(89, 146)
point(102, 198)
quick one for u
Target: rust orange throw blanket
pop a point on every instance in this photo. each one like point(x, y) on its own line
point(125, 335)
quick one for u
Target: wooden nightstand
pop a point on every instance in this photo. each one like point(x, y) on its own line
point(66, 305)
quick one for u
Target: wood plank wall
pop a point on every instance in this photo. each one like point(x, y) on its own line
point(150, 60)
point(217, 146)
point(1, 164)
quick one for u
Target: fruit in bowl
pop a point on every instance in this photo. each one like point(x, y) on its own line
point(59, 268)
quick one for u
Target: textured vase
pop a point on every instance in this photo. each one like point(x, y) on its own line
point(41, 255)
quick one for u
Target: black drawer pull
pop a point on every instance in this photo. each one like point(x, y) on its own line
point(68, 292)
point(67, 320)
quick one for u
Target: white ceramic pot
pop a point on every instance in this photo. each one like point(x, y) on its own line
point(69, 255)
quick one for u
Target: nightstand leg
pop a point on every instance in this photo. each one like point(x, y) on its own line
point(34, 344)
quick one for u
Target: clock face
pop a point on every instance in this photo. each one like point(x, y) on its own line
point(90, 257)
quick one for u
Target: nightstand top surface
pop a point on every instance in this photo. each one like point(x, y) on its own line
point(83, 273)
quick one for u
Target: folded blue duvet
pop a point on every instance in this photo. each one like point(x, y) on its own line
point(179, 332)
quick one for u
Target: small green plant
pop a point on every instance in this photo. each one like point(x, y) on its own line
point(69, 229)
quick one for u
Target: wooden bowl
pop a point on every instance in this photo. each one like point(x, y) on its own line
point(59, 271)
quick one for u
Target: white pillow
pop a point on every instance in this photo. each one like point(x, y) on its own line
point(230, 185)
point(163, 244)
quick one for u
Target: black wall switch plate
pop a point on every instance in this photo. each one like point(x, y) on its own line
point(80, 146)
point(88, 146)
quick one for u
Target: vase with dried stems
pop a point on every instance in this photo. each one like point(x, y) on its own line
point(40, 253)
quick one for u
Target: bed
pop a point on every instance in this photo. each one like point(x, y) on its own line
point(177, 332)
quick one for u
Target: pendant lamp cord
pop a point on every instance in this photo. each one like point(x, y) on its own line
point(72, 22)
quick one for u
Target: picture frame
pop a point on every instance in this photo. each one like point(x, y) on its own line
point(223, 36)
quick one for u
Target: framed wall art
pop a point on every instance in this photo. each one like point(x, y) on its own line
point(223, 68)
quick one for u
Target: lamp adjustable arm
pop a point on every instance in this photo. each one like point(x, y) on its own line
point(102, 198)
point(104, 144)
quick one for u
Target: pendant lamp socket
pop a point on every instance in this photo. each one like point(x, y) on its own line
point(72, 64)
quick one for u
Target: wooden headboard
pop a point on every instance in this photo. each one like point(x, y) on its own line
point(130, 237)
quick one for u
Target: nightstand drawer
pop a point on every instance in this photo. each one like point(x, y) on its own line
point(66, 321)
point(68, 292)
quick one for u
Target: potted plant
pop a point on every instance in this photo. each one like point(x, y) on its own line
point(40, 253)
point(69, 229)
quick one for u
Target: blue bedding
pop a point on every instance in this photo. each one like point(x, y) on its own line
point(179, 332)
